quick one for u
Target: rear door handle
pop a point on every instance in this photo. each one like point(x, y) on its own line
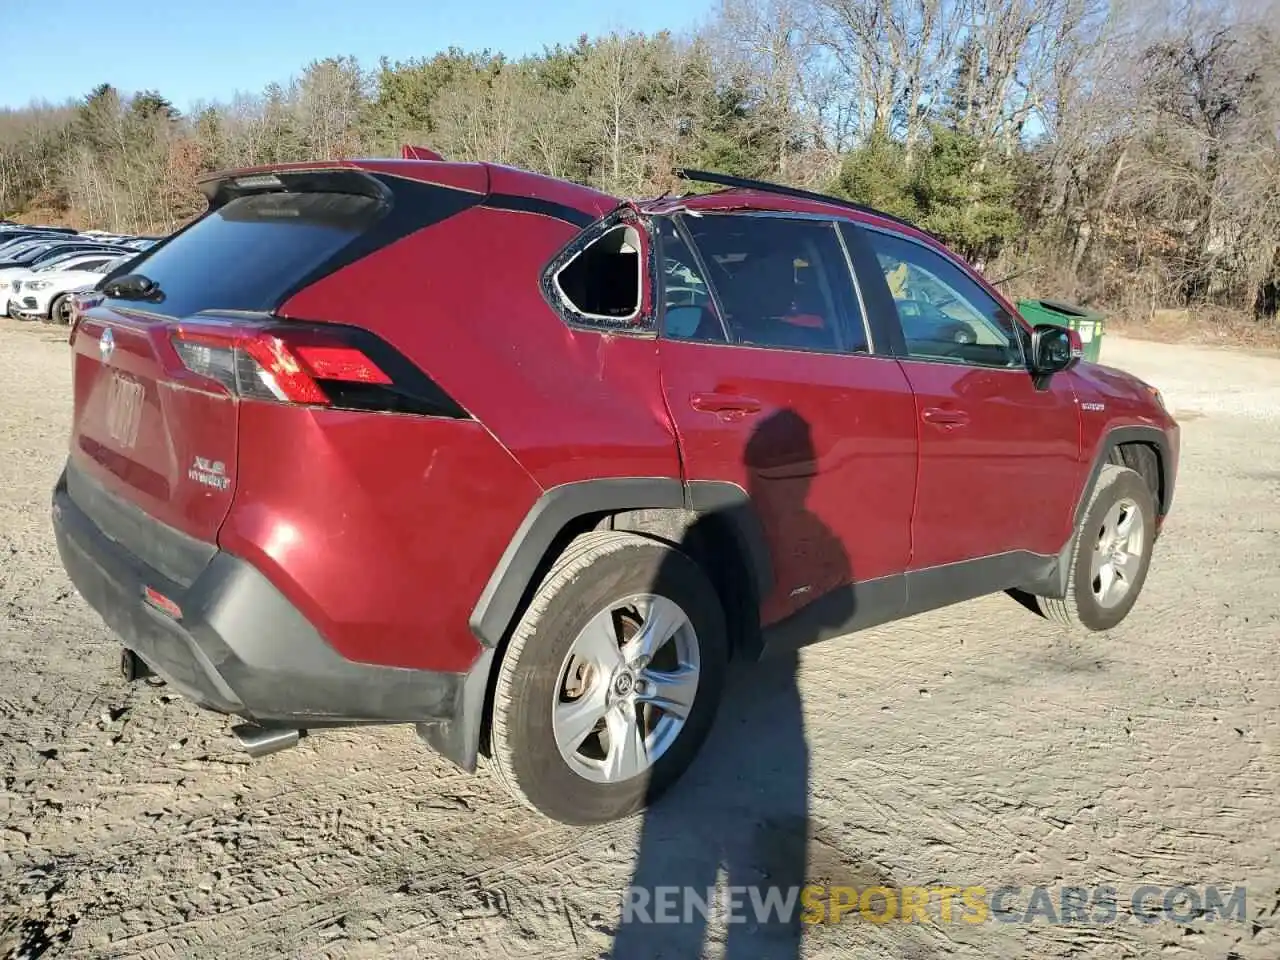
point(945, 418)
point(728, 406)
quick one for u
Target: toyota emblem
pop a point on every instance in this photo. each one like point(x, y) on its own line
point(107, 345)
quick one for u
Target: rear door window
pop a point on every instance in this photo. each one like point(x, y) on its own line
point(250, 253)
point(782, 281)
point(688, 310)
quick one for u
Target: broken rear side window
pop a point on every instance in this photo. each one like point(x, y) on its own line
point(601, 284)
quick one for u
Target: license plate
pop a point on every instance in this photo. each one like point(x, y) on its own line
point(124, 409)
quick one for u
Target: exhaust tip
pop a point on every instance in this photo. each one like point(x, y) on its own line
point(259, 741)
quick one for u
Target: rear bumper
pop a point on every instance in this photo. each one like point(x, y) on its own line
point(241, 648)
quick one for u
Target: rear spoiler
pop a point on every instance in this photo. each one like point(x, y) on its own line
point(408, 152)
point(340, 177)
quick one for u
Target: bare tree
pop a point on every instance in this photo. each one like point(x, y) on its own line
point(329, 97)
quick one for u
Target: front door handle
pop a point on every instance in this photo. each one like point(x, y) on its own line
point(727, 406)
point(945, 418)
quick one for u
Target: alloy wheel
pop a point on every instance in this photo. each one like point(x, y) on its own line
point(1117, 553)
point(626, 688)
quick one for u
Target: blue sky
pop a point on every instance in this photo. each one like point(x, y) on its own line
point(201, 51)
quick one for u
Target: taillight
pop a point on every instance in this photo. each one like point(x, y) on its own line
point(328, 366)
point(80, 303)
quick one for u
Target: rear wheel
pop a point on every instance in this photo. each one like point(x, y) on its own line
point(1111, 555)
point(611, 680)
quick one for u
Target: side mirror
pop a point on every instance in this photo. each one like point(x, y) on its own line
point(1054, 349)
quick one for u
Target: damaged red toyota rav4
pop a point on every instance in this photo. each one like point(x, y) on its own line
point(525, 465)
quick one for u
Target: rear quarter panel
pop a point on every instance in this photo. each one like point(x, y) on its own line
point(462, 300)
point(381, 528)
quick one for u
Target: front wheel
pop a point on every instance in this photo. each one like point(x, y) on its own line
point(60, 310)
point(611, 680)
point(1111, 554)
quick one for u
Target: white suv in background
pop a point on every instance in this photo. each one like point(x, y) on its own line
point(45, 293)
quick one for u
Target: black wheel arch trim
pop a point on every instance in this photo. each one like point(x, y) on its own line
point(733, 503)
point(1113, 438)
point(560, 506)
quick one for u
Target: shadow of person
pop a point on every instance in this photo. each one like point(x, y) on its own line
point(728, 843)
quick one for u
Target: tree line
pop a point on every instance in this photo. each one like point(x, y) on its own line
point(1118, 152)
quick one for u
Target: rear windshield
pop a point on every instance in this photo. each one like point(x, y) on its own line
point(249, 253)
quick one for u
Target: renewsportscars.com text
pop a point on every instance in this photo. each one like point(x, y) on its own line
point(1085, 905)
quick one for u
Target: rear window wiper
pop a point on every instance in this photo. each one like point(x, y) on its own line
point(133, 286)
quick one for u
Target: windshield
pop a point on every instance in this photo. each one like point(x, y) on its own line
point(62, 261)
point(32, 254)
point(15, 247)
point(53, 263)
point(38, 256)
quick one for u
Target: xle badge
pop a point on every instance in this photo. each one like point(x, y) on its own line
point(211, 473)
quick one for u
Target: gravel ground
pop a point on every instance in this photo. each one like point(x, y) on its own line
point(975, 745)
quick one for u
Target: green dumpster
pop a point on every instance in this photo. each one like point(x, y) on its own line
point(1085, 322)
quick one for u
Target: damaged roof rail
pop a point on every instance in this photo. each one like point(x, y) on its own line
point(746, 183)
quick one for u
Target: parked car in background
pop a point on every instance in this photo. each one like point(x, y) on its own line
point(115, 249)
point(26, 249)
point(10, 243)
point(52, 257)
point(45, 294)
point(64, 231)
point(30, 254)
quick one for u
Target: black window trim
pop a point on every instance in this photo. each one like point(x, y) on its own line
point(730, 340)
point(660, 275)
point(633, 318)
point(878, 279)
point(867, 332)
point(645, 323)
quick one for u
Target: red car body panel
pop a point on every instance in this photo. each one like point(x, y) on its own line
point(509, 181)
point(596, 411)
point(180, 419)
point(333, 507)
point(853, 476)
point(1000, 463)
point(1113, 399)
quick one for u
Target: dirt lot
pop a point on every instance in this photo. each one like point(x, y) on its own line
point(976, 745)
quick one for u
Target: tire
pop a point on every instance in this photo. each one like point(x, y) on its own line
point(595, 574)
point(1117, 488)
point(56, 309)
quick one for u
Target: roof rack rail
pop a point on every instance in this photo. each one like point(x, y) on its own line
point(745, 183)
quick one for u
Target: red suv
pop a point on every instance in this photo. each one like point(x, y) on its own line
point(524, 464)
